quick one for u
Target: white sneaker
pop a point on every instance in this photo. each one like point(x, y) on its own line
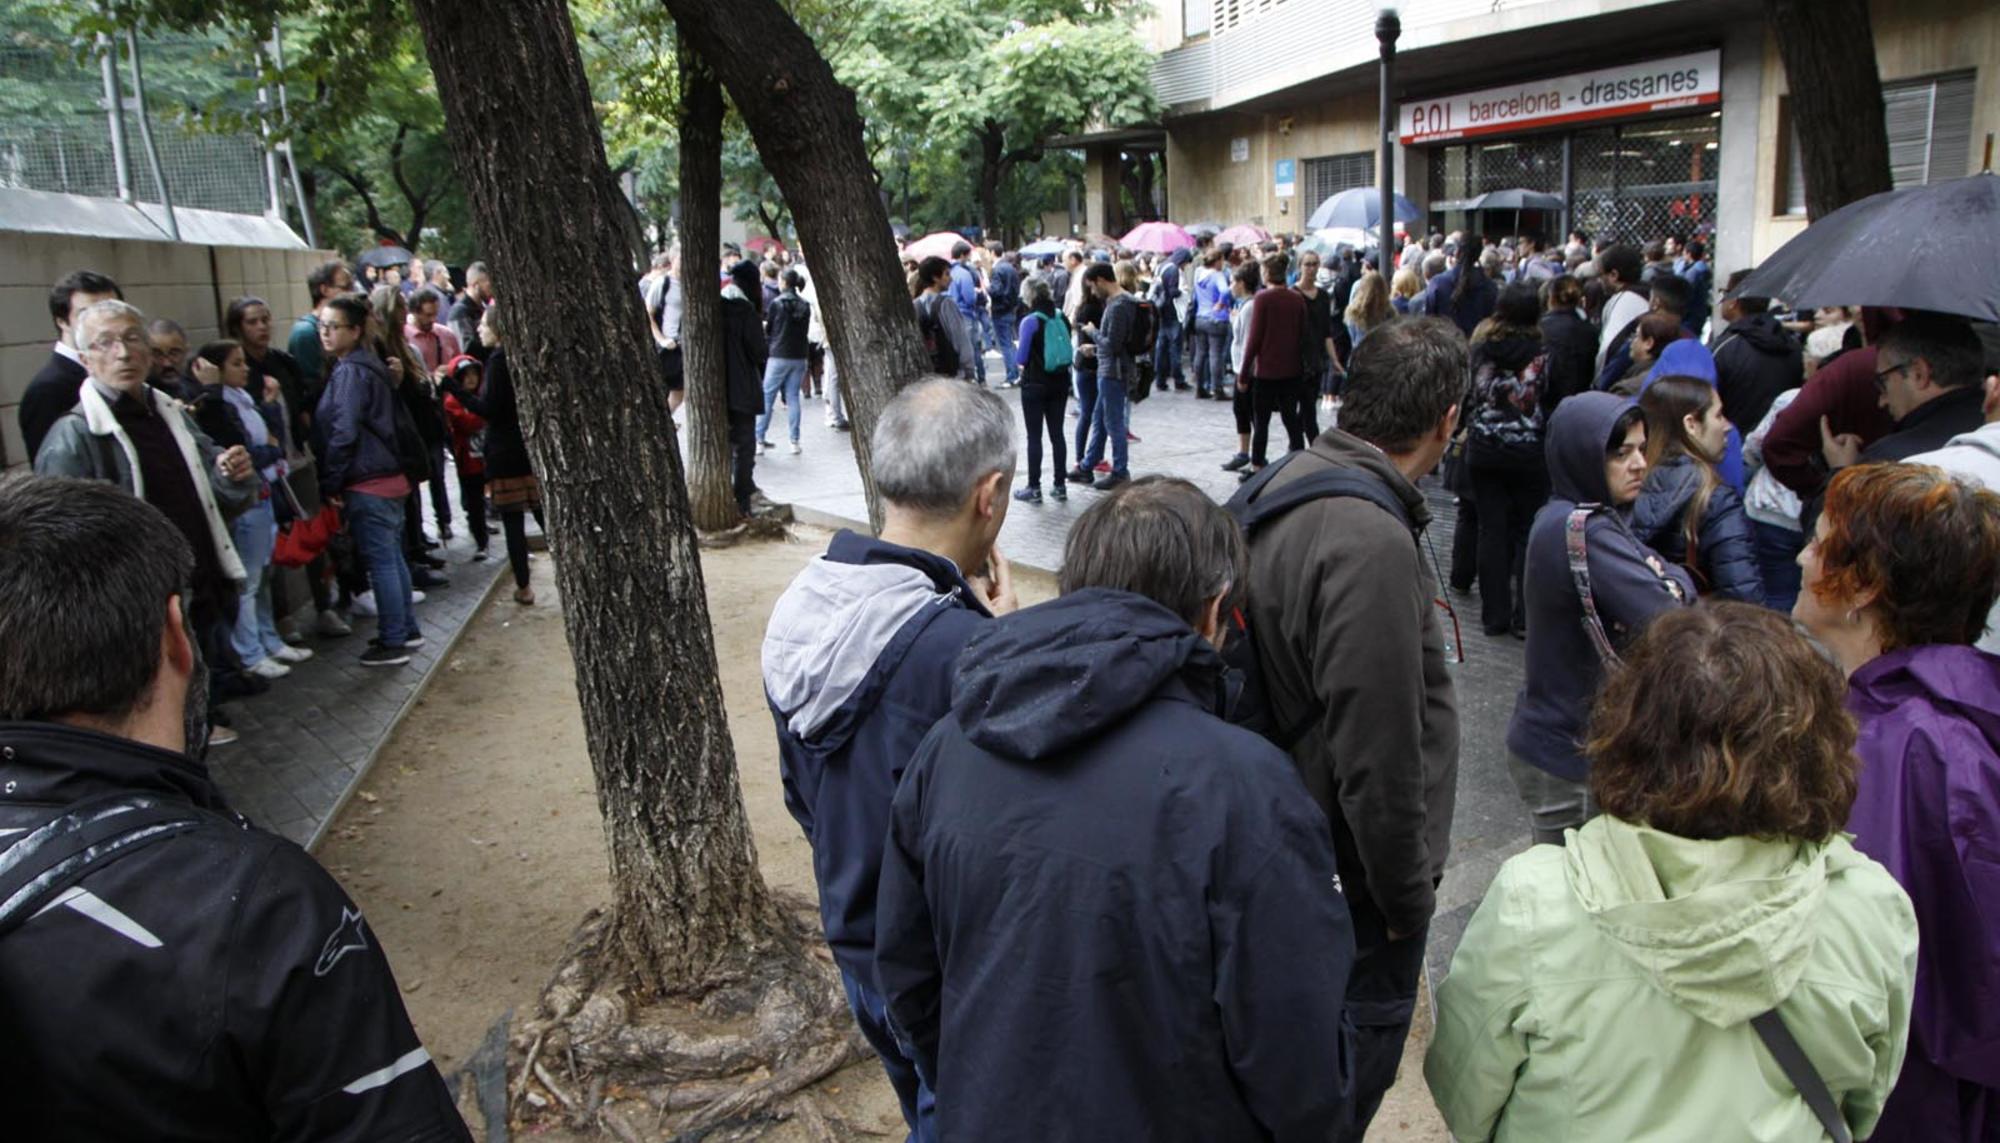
point(795, 448)
point(416, 596)
point(364, 604)
point(292, 655)
point(268, 668)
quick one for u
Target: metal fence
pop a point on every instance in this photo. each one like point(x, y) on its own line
point(56, 135)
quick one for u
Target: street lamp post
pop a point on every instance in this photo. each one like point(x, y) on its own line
point(1387, 29)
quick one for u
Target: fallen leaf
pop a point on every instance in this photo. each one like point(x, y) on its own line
point(366, 796)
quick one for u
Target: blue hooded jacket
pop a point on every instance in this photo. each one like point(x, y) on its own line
point(857, 667)
point(1563, 670)
point(1107, 914)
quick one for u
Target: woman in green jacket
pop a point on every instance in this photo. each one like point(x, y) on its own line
point(1605, 990)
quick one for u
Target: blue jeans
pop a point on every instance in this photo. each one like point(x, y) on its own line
point(1777, 552)
point(1086, 405)
point(1004, 328)
point(782, 374)
point(1108, 421)
point(1167, 349)
point(979, 330)
point(1211, 354)
point(872, 1013)
point(377, 524)
point(255, 636)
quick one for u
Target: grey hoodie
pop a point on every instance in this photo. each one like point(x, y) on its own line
point(1563, 671)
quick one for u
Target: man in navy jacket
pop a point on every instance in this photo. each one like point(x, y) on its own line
point(858, 662)
point(1106, 913)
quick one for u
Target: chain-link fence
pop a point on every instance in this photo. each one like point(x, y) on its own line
point(55, 130)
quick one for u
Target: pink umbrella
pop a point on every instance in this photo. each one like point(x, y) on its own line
point(1156, 238)
point(938, 244)
point(1244, 234)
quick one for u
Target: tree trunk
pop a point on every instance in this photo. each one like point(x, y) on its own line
point(701, 305)
point(1836, 100)
point(689, 905)
point(992, 149)
point(808, 134)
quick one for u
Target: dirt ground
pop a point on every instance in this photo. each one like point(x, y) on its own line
point(475, 845)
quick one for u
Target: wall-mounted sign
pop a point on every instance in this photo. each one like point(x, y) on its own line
point(1239, 150)
point(1659, 85)
point(1286, 176)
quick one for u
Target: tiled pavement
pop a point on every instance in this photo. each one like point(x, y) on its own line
point(307, 740)
point(1188, 438)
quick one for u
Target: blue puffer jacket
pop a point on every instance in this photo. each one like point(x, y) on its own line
point(1725, 560)
point(356, 424)
point(858, 663)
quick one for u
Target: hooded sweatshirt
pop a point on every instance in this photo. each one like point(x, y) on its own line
point(1628, 580)
point(1105, 913)
point(1975, 456)
point(1930, 764)
point(1604, 989)
point(1756, 359)
point(857, 668)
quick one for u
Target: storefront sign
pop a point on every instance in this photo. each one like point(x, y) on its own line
point(1660, 85)
point(1239, 150)
point(1287, 177)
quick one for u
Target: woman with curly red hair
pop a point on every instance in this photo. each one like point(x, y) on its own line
point(1898, 580)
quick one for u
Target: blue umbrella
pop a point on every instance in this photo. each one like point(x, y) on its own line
point(1045, 248)
point(1361, 208)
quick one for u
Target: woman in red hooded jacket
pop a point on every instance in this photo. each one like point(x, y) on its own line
point(465, 416)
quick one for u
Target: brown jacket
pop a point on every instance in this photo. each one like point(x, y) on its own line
point(1346, 610)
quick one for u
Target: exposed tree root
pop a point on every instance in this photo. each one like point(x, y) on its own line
point(721, 1066)
point(770, 522)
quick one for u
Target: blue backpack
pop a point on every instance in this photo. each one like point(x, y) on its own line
point(1057, 353)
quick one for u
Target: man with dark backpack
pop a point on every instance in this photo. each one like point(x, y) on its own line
point(168, 970)
point(1351, 666)
point(942, 326)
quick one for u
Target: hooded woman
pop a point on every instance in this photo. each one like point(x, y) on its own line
point(1596, 451)
point(1899, 577)
point(1623, 987)
point(1504, 423)
point(1685, 510)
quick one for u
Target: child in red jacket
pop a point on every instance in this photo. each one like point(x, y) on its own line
point(464, 414)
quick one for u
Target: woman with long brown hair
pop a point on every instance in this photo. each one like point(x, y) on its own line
point(418, 394)
point(1686, 512)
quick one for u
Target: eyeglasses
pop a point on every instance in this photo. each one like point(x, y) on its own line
point(134, 341)
point(1882, 376)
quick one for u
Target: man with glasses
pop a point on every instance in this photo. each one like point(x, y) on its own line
point(1927, 374)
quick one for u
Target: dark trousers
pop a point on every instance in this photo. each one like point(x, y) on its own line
point(440, 505)
point(1269, 396)
point(1307, 392)
point(1465, 543)
point(1507, 499)
point(1167, 350)
point(1381, 1000)
point(1240, 405)
point(1086, 404)
point(742, 457)
point(513, 522)
point(472, 498)
point(1042, 408)
point(871, 1013)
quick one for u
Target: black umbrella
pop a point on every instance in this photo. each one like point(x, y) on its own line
point(1933, 247)
point(379, 256)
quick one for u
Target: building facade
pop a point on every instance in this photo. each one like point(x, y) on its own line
point(1638, 118)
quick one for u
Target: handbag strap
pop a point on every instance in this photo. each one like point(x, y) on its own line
point(1579, 570)
point(1799, 1069)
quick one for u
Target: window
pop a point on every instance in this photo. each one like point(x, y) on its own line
point(1930, 136)
point(1227, 14)
point(1195, 16)
point(1328, 175)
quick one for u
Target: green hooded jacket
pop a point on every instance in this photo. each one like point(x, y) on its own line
point(1603, 991)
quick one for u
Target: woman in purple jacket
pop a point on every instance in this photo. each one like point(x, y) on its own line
point(1898, 579)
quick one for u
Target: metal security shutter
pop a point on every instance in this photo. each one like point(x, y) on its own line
point(1951, 128)
point(1195, 17)
point(1930, 128)
point(1328, 175)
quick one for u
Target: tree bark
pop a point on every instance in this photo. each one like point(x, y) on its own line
point(701, 306)
point(689, 905)
point(809, 136)
point(1836, 100)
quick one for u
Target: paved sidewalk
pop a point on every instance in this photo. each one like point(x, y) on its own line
point(308, 740)
point(1184, 437)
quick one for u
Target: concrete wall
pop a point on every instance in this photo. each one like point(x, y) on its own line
point(1913, 39)
point(1204, 185)
point(188, 283)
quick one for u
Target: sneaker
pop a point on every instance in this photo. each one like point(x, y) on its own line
point(1236, 462)
point(1181, 386)
point(364, 605)
point(1107, 483)
point(434, 563)
point(524, 596)
point(431, 545)
point(380, 656)
point(1133, 437)
point(1079, 475)
point(221, 735)
point(1102, 466)
point(763, 446)
point(1059, 492)
point(1030, 494)
point(1247, 473)
point(415, 597)
point(480, 556)
point(444, 532)
point(292, 655)
point(423, 577)
point(795, 448)
point(267, 668)
point(414, 641)
point(842, 427)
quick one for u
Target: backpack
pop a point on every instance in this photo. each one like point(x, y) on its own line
point(1139, 344)
point(944, 355)
point(1057, 352)
point(1251, 708)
